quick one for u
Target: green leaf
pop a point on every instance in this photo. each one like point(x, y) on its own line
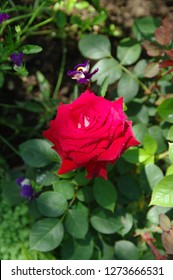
point(99, 19)
point(11, 192)
point(138, 113)
point(85, 194)
point(136, 155)
point(169, 170)
point(67, 175)
point(108, 67)
point(21, 70)
point(105, 222)
point(150, 144)
point(104, 87)
point(145, 27)
point(123, 166)
point(165, 110)
point(45, 178)
point(126, 250)
point(108, 251)
point(76, 20)
point(151, 70)
point(139, 68)
point(76, 223)
point(145, 156)
point(37, 152)
point(163, 192)
point(170, 134)
point(131, 155)
point(128, 51)
point(60, 19)
point(157, 133)
point(46, 235)
point(154, 174)
point(127, 222)
point(140, 131)
point(154, 212)
point(105, 194)
point(129, 187)
point(30, 106)
point(80, 179)
point(127, 87)
point(82, 5)
point(31, 49)
point(95, 46)
point(65, 188)
point(43, 85)
point(52, 204)
point(78, 249)
point(170, 151)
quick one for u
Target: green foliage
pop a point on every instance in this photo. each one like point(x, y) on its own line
point(105, 194)
point(52, 204)
point(105, 222)
point(154, 174)
point(14, 243)
point(127, 87)
point(71, 217)
point(163, 192)
point(145, 27)
point(126, 250)
point(11, 240)
point(165, 110)
point(46, 234)
point(74, 219)
point(37, 152)
point(95, 46)
point(78, 249)
point(65, 188)
point(128, 51)
point(31, 49)
point(108, 68)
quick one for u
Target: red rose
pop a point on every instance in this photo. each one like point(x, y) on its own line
point(90, 132)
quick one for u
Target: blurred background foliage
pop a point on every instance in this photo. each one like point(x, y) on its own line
point(76, 218)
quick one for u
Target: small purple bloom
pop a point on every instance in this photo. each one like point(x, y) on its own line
point(3, 17)
point(81, 73)
point(17, 58)
point(26, 188)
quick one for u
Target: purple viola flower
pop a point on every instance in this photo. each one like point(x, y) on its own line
point(26, 188)
point(3, 17)
point(81, 73)
point(17, 58)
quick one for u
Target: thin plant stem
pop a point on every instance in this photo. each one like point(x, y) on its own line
point(9, 145)
point(41, 24)
point(61, 72)
point(149, 240)
point(10, 106)
point(11, 3)
point(17, 18)
point(32, 19)
point(145, 88)
point(163, 155)
point(36, 4)
point(40, 32)
point(70, 204)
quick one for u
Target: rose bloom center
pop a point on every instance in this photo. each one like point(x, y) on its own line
point(84, 121)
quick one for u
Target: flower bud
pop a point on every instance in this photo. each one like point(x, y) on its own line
point(18, 29)
point(167, 241)
point(164, 222)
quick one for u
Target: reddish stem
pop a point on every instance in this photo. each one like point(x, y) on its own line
point(148, 239)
